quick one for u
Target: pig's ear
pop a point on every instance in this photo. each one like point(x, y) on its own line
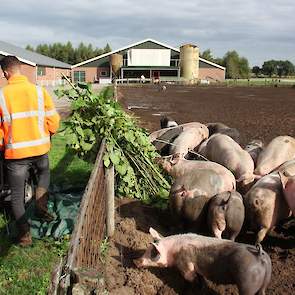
point(257, 203)
point(156, 236)
point(284, 179)
point(183, 191)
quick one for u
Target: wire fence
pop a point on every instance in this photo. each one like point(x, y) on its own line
point(89, 232)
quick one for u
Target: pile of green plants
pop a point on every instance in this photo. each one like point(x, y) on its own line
point(96, 116)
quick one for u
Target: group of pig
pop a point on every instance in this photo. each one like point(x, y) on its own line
point(218, 183)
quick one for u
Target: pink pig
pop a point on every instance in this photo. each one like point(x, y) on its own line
point(221, 261)
point(288, 184)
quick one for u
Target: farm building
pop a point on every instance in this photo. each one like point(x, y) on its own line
point(150, 58)
point(38, 68)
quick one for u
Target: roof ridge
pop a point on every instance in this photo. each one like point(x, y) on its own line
point(135, 44)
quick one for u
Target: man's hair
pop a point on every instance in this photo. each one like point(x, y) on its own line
point(9, 62)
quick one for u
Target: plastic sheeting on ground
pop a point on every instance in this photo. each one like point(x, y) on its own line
point(64, 207)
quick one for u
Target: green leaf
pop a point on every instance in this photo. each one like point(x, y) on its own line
point(130, 136)
point(80, 131)
point(106, 160)
point(115, 157)
point(84, 85)
point(86, 146)
point(122, 169)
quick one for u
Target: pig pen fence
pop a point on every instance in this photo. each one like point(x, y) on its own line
point(94, 222)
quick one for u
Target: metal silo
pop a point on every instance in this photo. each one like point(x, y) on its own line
point(116, 61)
point(189, 62)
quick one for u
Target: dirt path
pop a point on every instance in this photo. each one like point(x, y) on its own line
point(258, 113)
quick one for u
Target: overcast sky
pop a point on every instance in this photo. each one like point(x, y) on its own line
point(258, 29)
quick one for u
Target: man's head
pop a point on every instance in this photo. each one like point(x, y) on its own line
point(10, 66)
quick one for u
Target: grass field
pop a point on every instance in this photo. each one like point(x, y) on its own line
point(27, 271)
point(274, 82)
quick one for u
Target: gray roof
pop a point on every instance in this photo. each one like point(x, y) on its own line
point(32, 57)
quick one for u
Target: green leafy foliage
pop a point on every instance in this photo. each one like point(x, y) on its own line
point(67, 53)
point(98, 116)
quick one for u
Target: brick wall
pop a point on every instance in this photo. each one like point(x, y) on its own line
point(90, 73)
point(103, 69)
point(27, 70)
point(52, 76)
point(212, 74)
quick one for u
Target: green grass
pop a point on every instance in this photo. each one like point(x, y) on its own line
point(27, 271)
point(268, 82)
point(67, 170)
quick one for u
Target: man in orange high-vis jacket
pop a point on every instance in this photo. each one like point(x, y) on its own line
point(28, 119)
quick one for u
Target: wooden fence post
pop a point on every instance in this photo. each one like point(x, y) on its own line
point(116, 90)
point(110, 199)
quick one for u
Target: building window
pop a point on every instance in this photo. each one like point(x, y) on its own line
point(103, 73)
point(79, 76)
point(41, 71)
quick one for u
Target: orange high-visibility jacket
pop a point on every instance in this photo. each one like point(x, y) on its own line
point(28, 118)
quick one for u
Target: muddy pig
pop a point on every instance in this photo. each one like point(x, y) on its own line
point(265, 205)
point(191, 191)
point(288, 168)
point(288, 184)
point(221, 261)
point(226, 213)
point(254, 148)
point(224, 150)
point(216, 175)
point(162, 143)
point(223, 129)
point(188, 139)
point(189, 208)
point(278, 151)
point(154, 135)
point(167, 122)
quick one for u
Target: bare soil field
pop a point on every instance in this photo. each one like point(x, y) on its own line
point(257, 113)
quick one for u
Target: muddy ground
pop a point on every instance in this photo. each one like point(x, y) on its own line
point(258, 113)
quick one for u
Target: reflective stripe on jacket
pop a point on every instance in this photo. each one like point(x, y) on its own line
point(1, 138)
point(28, 118)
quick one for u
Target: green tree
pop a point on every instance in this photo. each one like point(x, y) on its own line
point(29, 47)
point(269, 68)
point(107, 48)
point(288, 69)
point(278, 67)
point(67, 53)
point(244, 69)
point(256, 70)
point(236, 66)
point(207, 55)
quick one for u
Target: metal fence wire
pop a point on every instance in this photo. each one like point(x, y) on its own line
point(89, 231)
point(90, 226)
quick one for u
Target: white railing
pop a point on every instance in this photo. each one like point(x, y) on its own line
point(174, 62)
point(150, 80)
point(51, 82)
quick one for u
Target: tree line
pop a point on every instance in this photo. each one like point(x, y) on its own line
point(277, 68)
point(238, 67)
point(69, 54)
